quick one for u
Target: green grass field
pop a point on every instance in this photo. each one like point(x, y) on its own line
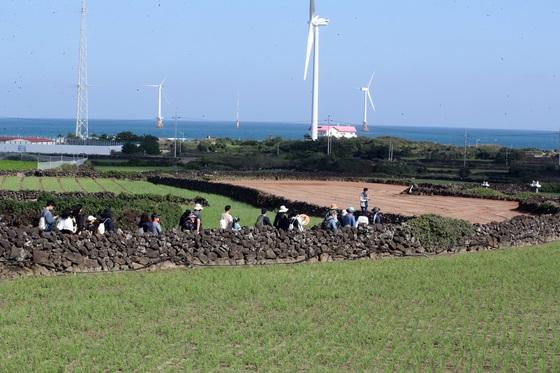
point(496, 311)
point(211, 215)
point(8, 165)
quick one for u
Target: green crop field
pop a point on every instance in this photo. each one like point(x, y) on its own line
point(8, 165)
point(494, 311)
point(211, 215)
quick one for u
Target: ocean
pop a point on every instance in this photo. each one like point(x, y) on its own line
point(546, 140)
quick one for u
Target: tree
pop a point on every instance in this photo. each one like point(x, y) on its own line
point(127, 136)
point(130, 148)
point(150, 145)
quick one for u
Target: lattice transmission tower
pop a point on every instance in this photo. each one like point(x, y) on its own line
point(82, 110)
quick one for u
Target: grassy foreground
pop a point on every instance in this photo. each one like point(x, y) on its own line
point(489, 311)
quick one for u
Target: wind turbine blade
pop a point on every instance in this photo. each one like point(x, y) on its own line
point(310, 41)
point(371, 101)
point(311, 9)
point(370, 80)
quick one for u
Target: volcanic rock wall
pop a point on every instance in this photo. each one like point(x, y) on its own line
point(26, 250)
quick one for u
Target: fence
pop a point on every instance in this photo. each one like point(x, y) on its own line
point(48, 163)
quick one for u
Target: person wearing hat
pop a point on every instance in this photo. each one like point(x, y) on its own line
point(349, 220)
point(155, 227)
point(90, 224)
point(197, 211)
point(263, 220)
point(282, 221)
point(376, 217)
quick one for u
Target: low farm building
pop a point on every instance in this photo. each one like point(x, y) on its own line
point(26, 140)
point(338, 132)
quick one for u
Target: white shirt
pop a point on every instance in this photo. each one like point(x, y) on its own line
point(362, 220)
point(66, 224)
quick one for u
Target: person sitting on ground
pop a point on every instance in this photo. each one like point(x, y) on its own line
point(90, 225)
point(376, 217)
point(341, 217)
point(331, 220)
point(362, 220)
point(281, 221)
point(198, 213)
point(155, 227)
point(66, 223)
point(144, 223)
point(236, 225)
point(106, 223)
point(364, 200)
point(295, 222)
point(188, 221)
point(263, 220)
point(349, 220)
point(46, 222)
point(226, 220)
point(79, 217)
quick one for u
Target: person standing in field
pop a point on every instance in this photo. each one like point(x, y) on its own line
point(226, 220)
point(364, 200)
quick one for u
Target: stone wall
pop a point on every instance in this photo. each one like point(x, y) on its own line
point(28, 251)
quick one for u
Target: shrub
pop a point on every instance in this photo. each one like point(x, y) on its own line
point(484, 193)
point(126, 208)
point(440, 232)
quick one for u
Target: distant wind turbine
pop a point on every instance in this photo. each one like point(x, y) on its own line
point(237, 122)
point(315, 22)
point(159, 118)
point(367, 97)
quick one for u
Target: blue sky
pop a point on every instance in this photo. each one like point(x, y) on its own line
point(460, 63)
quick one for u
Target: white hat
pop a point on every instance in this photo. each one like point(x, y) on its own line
point(283, 209)
point(198, 207)
point(91, 218)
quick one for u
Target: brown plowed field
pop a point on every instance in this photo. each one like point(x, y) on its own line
point(387, 197)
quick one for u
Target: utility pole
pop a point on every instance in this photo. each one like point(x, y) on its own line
point(82, 94)
point(507, 156)
point(465, 152)
point(329, 141)
point(175, 118)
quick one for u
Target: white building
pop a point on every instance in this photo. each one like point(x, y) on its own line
point(26, 140)
point(338, 132)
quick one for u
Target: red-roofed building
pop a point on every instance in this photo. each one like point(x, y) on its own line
point(338, 132)
point(25, 140)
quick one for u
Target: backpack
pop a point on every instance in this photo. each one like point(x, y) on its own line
point(295, 224)
point(223, 223)
point(101, 228)
point(42, 223)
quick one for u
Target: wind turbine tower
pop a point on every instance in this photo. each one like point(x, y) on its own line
point(315, 22)
point(237, 122)
point(82, 109)
point(367, 97)
point(159, 118)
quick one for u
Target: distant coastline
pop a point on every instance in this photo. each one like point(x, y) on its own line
point(546, 140)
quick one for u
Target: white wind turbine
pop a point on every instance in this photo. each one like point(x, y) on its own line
point(367, 97)
point(315, 22)
point(159, 119)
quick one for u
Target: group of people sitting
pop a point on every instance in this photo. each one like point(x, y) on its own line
point(335, 219)
point(74, 220)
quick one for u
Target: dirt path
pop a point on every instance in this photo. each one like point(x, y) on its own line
point(386, 197)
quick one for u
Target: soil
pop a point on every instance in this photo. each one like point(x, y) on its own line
point(387, 197)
